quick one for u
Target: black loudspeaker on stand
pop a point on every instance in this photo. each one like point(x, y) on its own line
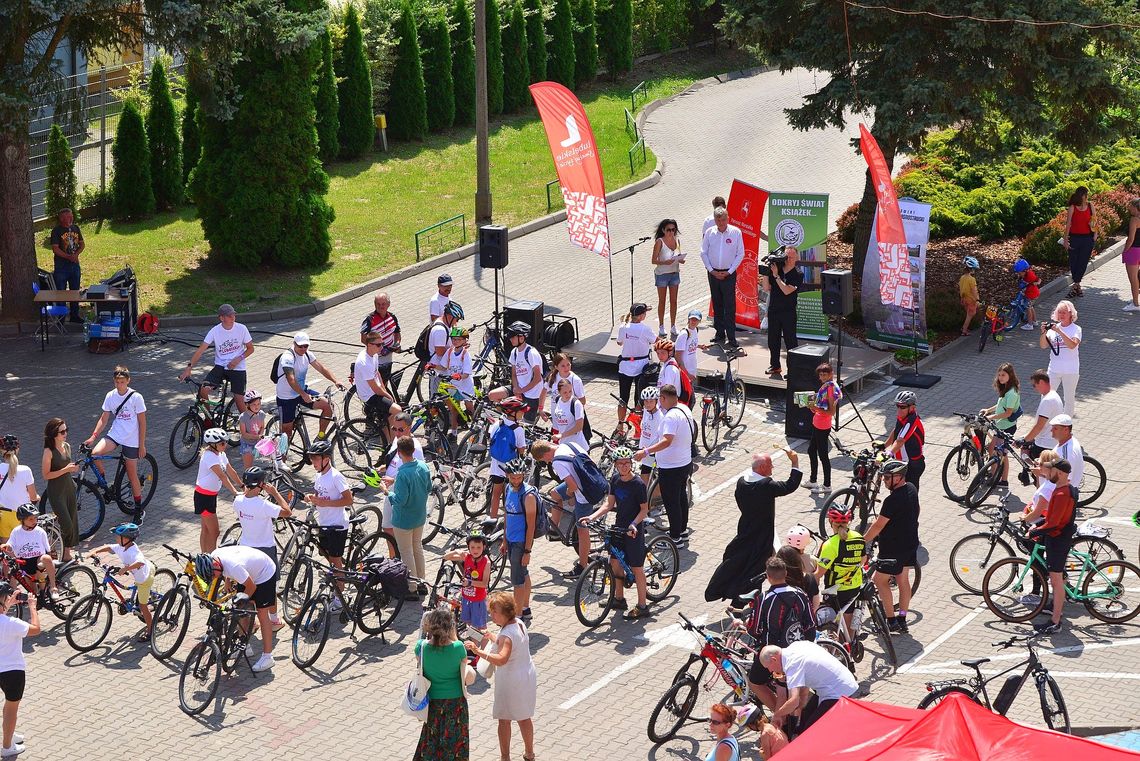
point(530, 312)
point(802, 362)
point(838, 299)
point(492, 247)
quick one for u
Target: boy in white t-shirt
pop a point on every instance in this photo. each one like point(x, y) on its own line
point(125, 410)
point(332, 499)
point(457, 367)
point(652, 419)
point(688, 346)
point(136, 564)
point(256, 514)
point(28, 543)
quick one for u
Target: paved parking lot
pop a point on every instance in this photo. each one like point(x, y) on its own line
point(596, 687)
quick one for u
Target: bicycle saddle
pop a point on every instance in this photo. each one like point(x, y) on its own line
point(357, 520)
point(974, 662)
point(490, 525)
point(356, 488)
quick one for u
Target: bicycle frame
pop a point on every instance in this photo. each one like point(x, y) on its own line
point(130, 603)
point(978, 683)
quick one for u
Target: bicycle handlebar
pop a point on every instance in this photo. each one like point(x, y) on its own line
point(178, 553)
point(1015, 639)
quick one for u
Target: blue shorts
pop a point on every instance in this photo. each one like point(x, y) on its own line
point(667, 279)
point(287, 408)
point(581, 510)
point(129, 453)
point(473, 612)
point(246, 447)
point(519, 572)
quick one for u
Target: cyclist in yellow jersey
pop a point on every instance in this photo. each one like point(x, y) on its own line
point(840, 564)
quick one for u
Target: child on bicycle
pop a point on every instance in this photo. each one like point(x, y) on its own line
point(28, 543)
point(513, 411)
point(840, 564)
point(457, 368)
point(136, 564)
point(1027, 283)
point(251, 424)
point(476, 567)
point(968, 292)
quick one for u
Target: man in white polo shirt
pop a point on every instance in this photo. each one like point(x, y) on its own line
point(722, 251)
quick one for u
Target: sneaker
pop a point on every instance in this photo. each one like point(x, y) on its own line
point(672, 332)
point(824, 490)
point(574, 572)
point(618, 604)
point(143, 636)
point(1132, 308)
point(901, 626)
point(264, 663)
point(1030, 600)
point(636, 612)
point(687, 533)
point(893, 625)
point(661, 332)
point(12, 752)
point(682, 542)
point(17, 738)
point(810, 485)
point(526, 615)
point(1048, 627)
point(276, 623)
point(1029, 326)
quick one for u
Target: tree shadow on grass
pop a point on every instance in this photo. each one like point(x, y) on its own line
point(200, 289)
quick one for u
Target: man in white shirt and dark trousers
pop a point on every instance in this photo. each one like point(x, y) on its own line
point(722, 251)
point(816, 681)
point(1040, 436)
point(674, 453)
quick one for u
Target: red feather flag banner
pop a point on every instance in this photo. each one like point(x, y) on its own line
point(578, 165)
point(894, 263)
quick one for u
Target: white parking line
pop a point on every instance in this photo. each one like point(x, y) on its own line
point(928, 649)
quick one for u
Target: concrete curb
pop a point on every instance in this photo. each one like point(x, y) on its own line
point(1057, 285)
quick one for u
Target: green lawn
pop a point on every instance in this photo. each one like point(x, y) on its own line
point(382, 200)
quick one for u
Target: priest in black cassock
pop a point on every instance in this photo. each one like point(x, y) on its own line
point(745, 556)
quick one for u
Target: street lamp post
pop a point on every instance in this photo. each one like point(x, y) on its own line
point(482, 155)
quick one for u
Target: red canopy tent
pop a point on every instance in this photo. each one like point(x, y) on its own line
point(957, 729)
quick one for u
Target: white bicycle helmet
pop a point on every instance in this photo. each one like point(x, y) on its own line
point(251, 395)
point(214, 435)
point(798, 537)
point(650, 392)
point(906, 397)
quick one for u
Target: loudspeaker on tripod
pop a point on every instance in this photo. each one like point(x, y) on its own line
point(837, 296)
point(493, 247)
point(802, 362)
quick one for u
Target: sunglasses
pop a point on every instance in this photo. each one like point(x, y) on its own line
point(903, 406)
point(375, 343)
point(716, 721)
point(61, 430)
point(120, 375)
point(670, 229)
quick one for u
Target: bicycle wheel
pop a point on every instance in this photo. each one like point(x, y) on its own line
point(297, 590)
point(375, 609)
point(879, 620)
point(498, 565)
point(838, 651)
point(735, 404)
point(312, 631)
point(594, 593)
point(234, 639)
point(710, 424)
point(359, 546)
point(373, 518)
point(1112, 591)
point(1097, 548)
point(448, 582)
point(1053, 708)
point(475, 494)
point(287, 488)
point(983, 483)
point(958, 470)
point(72, 584)
point(1092, 482)
point(164, 581)
point(436, 504)
point(231, 536)
point(295, 547)
point(185, 441)
point(1013, 591)
point(353, 451)
point(935, 697)
point(198, 682)
point(851, 499)
point(662, 564)
point(147, 469)
point(171, 620)
point(88, 622)
point(355, 416)
point(673, 709)
point(973, 555)
point(90, 509)
point(298, 443)
point(54, 537)
point(983, 336)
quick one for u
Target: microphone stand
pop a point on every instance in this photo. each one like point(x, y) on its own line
point(630, 249)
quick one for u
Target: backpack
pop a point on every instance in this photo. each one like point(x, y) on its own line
point(591, 482)
point(541, 517)
point(685, 392)
point(391, 574)
point(421, 350)
point(275, 370)
point(503, 447)
point(587, 431)
point(542, 374)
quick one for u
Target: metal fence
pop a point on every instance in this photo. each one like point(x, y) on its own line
point(441, 237)
point(87, 110)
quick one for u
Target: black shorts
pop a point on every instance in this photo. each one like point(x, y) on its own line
point(646, 469)
point(1056, 550)
point(30, 566)
point(236, 378)
point(497, 479)
point(633, 549)
point(841, 598)
point(625, 385)
point(892, 562)
point(265, 593)
point(531, 413)
point(206, 504)
point(331, 541)
point(12, 683)
point(287, 408)
point(129, 453)
point(1035, 451)
point(272, 553)
point(377, 409)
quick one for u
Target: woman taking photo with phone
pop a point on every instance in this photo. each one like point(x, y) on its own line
point(12, 666)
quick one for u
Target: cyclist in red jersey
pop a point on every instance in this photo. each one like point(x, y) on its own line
point(906, 441)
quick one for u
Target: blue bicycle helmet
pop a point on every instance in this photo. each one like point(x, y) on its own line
point(129, 530)
point(454, 310)
point(205, 565)
point(1020, 265)
point(971, 263)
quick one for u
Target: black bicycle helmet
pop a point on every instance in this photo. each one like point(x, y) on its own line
point(454, 310)
point(26, 510)
point(255, 476)
point(518, 328)
point(10, 443)
point(320, 447)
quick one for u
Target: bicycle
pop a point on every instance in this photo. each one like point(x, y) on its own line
point(1104, 587)
point(285, 486)
point(853, 635)
point(92, 493)
point(1053, 709)
point(595, 588)
point(351, 448)
point(171, 615)
point(227, 634)
point(965, 460)
point(997, 321)
point(186, 435)
point(89, 619)
point(862, 496)
point(72, 582)
point(724, 405)
point(974, 554)
point(370, 606)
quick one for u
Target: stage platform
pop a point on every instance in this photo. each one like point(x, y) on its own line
point(858, 363)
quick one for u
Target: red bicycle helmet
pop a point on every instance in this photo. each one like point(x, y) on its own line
point(838, 513)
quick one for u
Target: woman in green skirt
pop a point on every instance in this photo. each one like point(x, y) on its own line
point(445, 733)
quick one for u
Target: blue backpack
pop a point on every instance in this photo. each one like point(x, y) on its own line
point(503, 447)
point(541, 517)
point(591, 481)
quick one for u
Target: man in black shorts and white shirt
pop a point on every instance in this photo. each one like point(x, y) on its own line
point(896, 528)
point(253, 571)
point(1050, 405)
point(1068, 448)
point(232, 345)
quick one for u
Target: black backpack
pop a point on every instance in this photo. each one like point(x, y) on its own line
point(275, 370)
point(391, 574)
point(422, 352)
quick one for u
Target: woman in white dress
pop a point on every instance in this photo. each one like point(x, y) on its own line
point(516, 684)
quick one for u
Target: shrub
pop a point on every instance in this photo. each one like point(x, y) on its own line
point(845, 225)
point(494, 58)
point(536, 39)
point(659, 25)
point(376, 24)
point(407, 107)
point(615, 37)
point(516, 74)
point(93, 202)
point(585, 43)
point(327, 104)
point(356, 127)
point(439, 86)
point(162, 136)
point(463, 63)
point(1111, 214)
point(60, 174)
point(944, 311)
point(560, 58)
point(191, 137)
point(131, 192)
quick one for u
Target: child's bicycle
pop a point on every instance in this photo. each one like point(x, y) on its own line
point(220, 649)
point(172, 613)
point(72, 582)
point(997, 322)
point(89, 620)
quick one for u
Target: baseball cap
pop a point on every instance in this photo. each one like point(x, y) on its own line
point(1064, 466)
point(695, 314)
point(444, 279)
point(1061, 420)
point(301, 339)
point(226, 309)
point(638, 308)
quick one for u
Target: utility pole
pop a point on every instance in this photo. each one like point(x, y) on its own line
point(482, 154)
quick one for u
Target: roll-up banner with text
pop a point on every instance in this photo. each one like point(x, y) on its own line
point(746, 205)
point(889, 324)
point(800, 220)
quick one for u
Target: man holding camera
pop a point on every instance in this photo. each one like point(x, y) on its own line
point(722, 251)
point(782, 281)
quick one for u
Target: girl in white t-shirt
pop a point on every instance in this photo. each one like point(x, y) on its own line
point(12, 666)
point(688, 345)
point(17, 485)
point(214, 469)
point(636, 341)
point(457, 366)
point(568, 417)
point(1064, 341)
point(28, 543)
point(563, 370)
point(652, 418)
